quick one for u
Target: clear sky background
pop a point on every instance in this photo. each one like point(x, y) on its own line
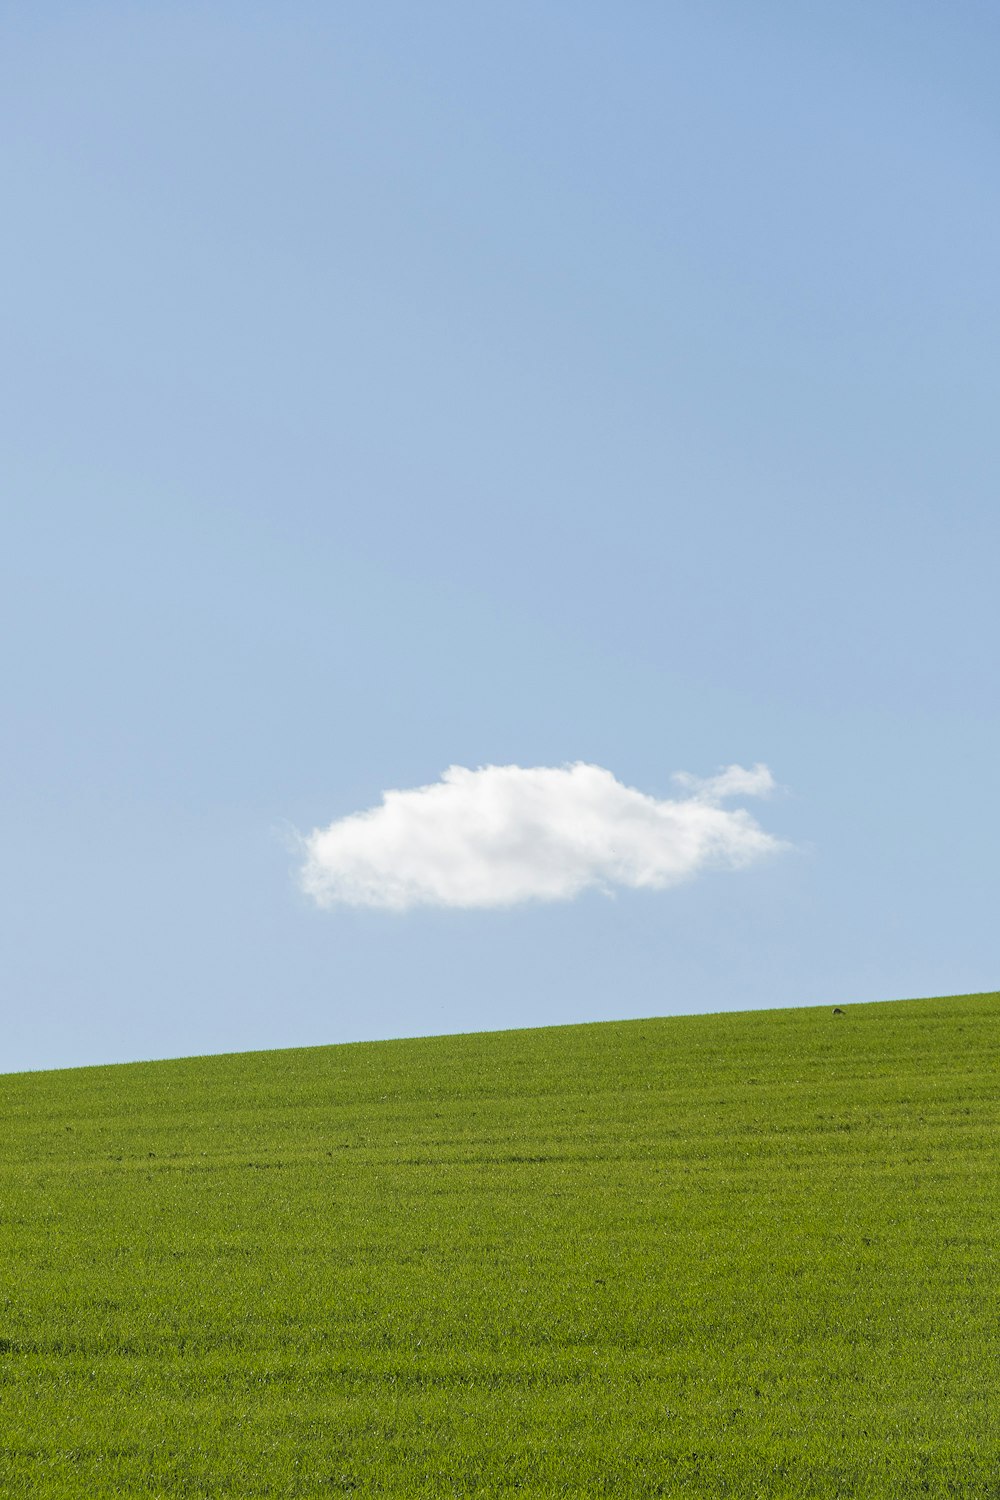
point(391, 386)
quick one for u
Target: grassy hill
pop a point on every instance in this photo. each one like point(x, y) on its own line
point(737, 1255)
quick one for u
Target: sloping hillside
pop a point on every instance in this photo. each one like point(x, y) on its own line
point(736, 1255)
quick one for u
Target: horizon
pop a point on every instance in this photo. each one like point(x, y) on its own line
point(435, 1036)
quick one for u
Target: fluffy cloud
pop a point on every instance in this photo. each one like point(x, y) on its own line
point(505, 834)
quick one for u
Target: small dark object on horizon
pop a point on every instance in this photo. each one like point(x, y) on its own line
point(837, 1011)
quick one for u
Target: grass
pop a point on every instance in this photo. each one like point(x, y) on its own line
point(747, 1255)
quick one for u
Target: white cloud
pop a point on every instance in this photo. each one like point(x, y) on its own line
point(505, 834)
point(732, 781)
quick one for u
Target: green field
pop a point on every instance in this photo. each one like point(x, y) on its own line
point(736, 1255)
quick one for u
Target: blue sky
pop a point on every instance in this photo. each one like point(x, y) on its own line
point(389, 388)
